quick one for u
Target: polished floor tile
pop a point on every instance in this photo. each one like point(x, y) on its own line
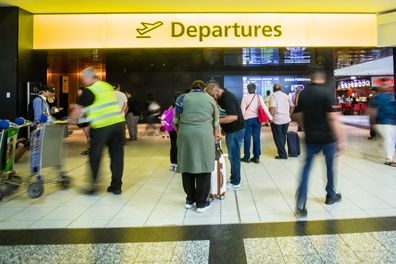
point(152, 195)
point(344, 248)
point(158, 252)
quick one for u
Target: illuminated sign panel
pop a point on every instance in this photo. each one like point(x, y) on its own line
point(203, 30)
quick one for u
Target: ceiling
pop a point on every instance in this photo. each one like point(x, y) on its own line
point(345, 57)
point(383, 66)
point(130, 6)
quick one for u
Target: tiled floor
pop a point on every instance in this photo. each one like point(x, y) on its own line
point(153, 196)
point(374, 247)
point(368, 247)
point(157, 252)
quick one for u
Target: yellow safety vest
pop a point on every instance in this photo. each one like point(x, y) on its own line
point(105, 110)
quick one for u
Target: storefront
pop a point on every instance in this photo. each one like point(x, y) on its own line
point(353, 93)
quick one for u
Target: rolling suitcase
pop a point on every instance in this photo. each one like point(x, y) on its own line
point(293, 144)
point(218, 179)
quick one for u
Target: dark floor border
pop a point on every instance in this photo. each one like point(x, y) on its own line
point(204, 232)
point(226, 241)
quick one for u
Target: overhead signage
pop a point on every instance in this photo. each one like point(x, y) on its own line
point(359, 83)
point(203, 30)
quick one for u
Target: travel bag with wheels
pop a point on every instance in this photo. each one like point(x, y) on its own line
point(293, 144)
point(218, 180)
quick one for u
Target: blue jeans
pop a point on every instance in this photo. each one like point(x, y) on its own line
point(252, 128)
point(234, 144)
point(279, 132)
point(329, 151)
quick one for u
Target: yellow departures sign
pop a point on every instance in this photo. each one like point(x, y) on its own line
point(203, 30)
point(245, 31)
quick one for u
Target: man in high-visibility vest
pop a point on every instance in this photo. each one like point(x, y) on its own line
point(98, 104)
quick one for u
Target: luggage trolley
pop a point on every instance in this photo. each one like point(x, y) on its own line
point(9, 181)
point(46, 150)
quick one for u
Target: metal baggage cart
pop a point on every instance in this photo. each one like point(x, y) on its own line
point(46, 150)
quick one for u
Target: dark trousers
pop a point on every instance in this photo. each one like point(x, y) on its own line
point(234, 144)
point(113, 137)
point(279, 132)
point(329, 151)
point(173, 149)
point(197, 187)
point(252, 128)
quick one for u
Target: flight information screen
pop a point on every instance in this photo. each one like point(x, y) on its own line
point(238, 83)
point(267, 56)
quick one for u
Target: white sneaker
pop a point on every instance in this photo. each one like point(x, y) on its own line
point(234, 187)
point(189, 205)
point(173, 167)
point(203, 209)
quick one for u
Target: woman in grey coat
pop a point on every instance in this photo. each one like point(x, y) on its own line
point(197, 121)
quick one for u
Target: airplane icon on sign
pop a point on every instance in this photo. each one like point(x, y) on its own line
point(147, 27)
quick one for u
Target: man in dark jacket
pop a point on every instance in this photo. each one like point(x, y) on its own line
point(233, 125)
point(322, 133)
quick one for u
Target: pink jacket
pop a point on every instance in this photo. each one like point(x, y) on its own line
point(252, 110)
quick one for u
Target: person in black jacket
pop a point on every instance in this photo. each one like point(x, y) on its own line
point(323, 133)
point(133, 115)
point(233, 125)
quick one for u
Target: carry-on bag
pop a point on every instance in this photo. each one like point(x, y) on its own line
point(218, 180)
point(293, 144)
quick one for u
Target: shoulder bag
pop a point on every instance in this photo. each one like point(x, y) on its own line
point(262, 115)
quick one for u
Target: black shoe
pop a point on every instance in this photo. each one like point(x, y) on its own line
point(332, 200)
point(301, 212)
point(255, 160)
point(114, 191)
point(90, 191)
point(245, 160)
point(279, 157)
point(204, 207)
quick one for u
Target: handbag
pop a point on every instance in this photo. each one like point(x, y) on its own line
point(262, 115)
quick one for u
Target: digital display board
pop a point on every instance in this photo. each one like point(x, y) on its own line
point(238, 83)
point(260, 56)
point(267, 56)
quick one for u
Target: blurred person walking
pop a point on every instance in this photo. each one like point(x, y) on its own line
point(323, 133)
point(249, 107)
point(39, 105)
point(295, 116)
point(267, 98)
point(382, 110)
point(122, 101)
point(196, 120)
point(82, 123)
point(98, 103)
point(153, 110)
point(280, 107)
point(121, 98)
point(133, 115)
point(167, 125)
point(233, 126)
